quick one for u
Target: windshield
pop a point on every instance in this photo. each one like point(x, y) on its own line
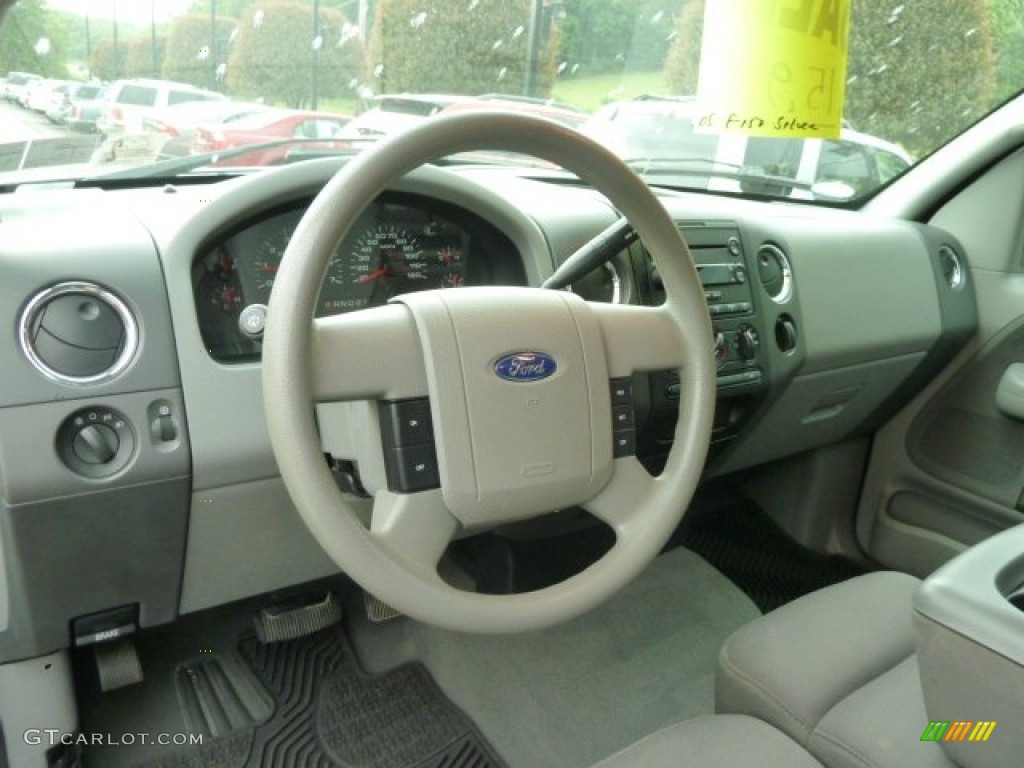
point(91, 86)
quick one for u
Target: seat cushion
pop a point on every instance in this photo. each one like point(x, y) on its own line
point(879, 726)
point(791, 666)
point(729, 741)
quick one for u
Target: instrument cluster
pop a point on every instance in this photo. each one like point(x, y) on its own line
point(401, 244)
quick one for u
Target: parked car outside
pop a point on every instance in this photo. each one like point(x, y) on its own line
point(564, 114)
point(267, 127)
point(659, 134)
point(76, 95)
point(34, 92)
point(180, 122)
point(84, 108)
point(393, 113)
point(127, 102)
point(50, 97)
point(16, 82)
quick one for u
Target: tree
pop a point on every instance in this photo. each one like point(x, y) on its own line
point(102, 62)
point(436, 45)
point(193, 56)
point(683, 61)
point(273, 55)
point(35, 39)
point(1008, 28)
point(142, 58)
point(909, 80)
point(615, 35)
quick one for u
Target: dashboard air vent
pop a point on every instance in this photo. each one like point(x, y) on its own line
point(774, 272)
point(952, 267)
point(78, 333)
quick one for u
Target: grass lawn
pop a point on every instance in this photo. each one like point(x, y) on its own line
point(589, 93)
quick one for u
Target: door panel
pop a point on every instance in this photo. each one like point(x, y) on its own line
point(948, 470)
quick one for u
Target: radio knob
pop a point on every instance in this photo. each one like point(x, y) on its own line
point(747, 343)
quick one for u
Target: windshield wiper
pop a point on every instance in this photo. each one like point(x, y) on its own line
point(685, 166)
point(179, 165)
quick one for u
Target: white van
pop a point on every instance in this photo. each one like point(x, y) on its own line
point(657, 135)
point(127, 102)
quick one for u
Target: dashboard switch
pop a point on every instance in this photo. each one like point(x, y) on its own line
point(96, 444)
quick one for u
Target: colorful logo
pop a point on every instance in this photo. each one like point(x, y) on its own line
point(958, 730)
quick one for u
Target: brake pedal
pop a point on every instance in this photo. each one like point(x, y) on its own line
point(377, 610)
point(297, 617)
point(117, 664)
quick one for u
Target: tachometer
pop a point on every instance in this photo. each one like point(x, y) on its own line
point(261, 270)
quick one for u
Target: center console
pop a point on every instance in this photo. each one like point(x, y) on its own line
point(969, 633)
point(739, 282)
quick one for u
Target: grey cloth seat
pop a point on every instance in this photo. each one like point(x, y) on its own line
point(729, 741)
point(836, 671)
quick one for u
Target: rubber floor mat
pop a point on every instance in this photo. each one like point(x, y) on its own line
point(753, 552)
point(329, 713)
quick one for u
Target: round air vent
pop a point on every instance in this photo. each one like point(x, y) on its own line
point(775, 273)
point(78, 333)
point(952, 267)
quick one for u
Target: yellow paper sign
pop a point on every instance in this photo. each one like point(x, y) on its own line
point(774, 67)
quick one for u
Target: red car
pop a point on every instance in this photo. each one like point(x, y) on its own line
point(266, 127)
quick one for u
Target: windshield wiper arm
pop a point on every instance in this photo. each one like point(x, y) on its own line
point(178, 165)
point(670, 166)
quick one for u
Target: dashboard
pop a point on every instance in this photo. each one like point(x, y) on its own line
point(146, 444)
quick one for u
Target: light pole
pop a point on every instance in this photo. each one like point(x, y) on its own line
point(532, 43)
point(317, 45)
point(88, 48)
point(152, 38)
point(213, 44)
point(113, 6)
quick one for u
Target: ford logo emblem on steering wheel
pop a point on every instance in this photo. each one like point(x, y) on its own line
point(525, 366)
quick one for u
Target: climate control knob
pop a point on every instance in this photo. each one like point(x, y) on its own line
point(748, 343)
point(721, 348)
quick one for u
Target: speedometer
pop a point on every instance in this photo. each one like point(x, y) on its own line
point(387, 260)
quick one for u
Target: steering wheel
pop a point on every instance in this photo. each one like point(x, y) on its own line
point(519, 384)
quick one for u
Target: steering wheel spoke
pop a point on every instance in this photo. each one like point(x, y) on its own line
point(640, 338)
point(373, 354)
point(625, 498)
point(415, 527)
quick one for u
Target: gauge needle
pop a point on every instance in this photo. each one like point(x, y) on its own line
point(379, 272)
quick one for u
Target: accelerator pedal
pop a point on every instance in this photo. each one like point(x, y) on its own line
point(117, 664)
point(297, 617)
point(377, 610)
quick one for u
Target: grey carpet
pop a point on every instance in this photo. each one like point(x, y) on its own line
point(568, 696)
